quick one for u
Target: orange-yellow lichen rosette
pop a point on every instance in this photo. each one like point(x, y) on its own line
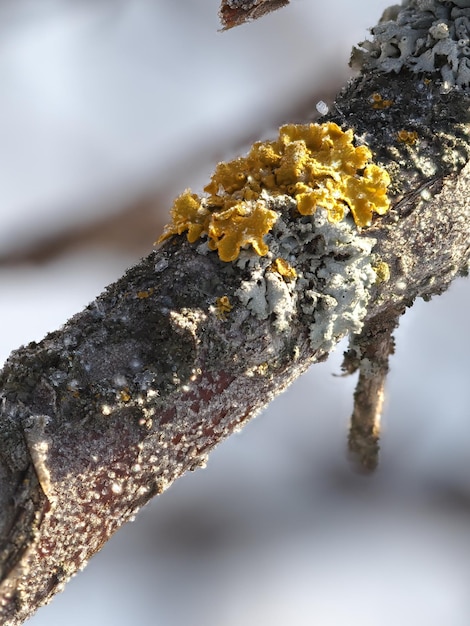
point(316, 164)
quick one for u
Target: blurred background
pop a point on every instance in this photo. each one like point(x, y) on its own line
point(110, 108)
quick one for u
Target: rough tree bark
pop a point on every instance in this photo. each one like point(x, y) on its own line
point(107, 412)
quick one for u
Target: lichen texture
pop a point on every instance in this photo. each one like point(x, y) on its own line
point(317, 165)
point(424, 36)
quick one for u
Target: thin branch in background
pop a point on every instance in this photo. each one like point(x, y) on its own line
point(236, 12)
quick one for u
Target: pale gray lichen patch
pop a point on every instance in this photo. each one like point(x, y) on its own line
point(265, 294)
point(337, 285)
point(334, 275)
point(280, 295)
point(427, 36)
point(252, 294)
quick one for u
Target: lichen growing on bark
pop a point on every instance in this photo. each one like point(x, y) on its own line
point(334, 272)
point(424, 36)
point(317, 165)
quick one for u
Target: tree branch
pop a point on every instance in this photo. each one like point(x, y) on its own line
point(235, 12)
point(185, 348)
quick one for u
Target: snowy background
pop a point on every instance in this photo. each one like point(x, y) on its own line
point(108, 109)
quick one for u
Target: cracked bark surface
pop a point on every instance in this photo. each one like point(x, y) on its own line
point(137, 389)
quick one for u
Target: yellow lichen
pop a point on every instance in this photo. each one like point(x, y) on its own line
point(382, 271)
point(379, 103)
point(142, 295)
point(243, 224)
point(282, 267)
point(223, 306)
point(321, 166)
point(409, 137)
point(316, 164)
point(189, 215)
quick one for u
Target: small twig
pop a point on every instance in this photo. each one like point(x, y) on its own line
point(235, 12)
point(364, 431)
point(369, 353)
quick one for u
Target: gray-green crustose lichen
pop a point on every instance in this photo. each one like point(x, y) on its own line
point(330, 286)
point(426, 36)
